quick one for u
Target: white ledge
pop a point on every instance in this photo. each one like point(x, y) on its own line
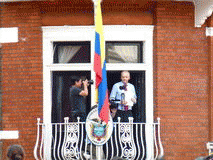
point(209, 31)
point(9, 35)
point(9, 135)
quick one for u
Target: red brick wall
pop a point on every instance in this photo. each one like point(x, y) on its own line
point(114, 13)
point(0, 85)
point(181, 81)
point(209, 23)
point(22, 75)
point(180, 57)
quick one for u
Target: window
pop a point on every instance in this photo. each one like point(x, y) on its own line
point(124, 52)
point(64, 53)
point(71, 52)
point(120, 40)
point(132, 44)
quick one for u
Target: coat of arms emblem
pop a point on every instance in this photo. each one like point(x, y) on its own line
point(97, 130)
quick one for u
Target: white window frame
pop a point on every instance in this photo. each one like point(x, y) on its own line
point(87, 33)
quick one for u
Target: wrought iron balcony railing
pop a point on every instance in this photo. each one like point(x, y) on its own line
point(68, 140)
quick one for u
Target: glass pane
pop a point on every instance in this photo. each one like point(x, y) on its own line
point(124, 52)
point(72, 52)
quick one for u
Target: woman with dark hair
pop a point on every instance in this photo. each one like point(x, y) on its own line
point(15, 152)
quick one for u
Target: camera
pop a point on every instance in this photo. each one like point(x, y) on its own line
point(113, 104)
point(90, 82)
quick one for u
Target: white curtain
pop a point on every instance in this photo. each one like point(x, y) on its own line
point(66, 53)
point(123, 54)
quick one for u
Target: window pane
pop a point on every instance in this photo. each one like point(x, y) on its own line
point(124, 52)
point(71, 52)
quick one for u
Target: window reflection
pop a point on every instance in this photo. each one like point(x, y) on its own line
point(124, 52)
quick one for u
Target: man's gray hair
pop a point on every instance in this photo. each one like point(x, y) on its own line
point(125, 72)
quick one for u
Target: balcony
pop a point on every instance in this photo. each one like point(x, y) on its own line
point(68, 140)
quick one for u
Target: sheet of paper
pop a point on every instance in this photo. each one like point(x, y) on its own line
point(128, 96)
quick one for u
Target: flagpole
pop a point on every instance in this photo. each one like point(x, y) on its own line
point(95, 2)
point(98, 147)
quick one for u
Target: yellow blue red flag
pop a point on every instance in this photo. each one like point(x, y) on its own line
point(100, 66)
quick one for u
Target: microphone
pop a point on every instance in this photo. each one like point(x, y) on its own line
point(122, 97)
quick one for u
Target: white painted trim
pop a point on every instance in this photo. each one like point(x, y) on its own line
point(209, 146)
point(9, 35)
point(126, 66)
point(9, 135)
point(203, 10)
point(70, 67)
point(87, 33)
point(209, 31)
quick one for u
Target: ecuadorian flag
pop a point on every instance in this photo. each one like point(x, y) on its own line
point(100, 66)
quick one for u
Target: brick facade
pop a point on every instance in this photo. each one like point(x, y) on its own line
point(22, 75)
point(181, 61)
point(181, 68)
point(209, 23)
